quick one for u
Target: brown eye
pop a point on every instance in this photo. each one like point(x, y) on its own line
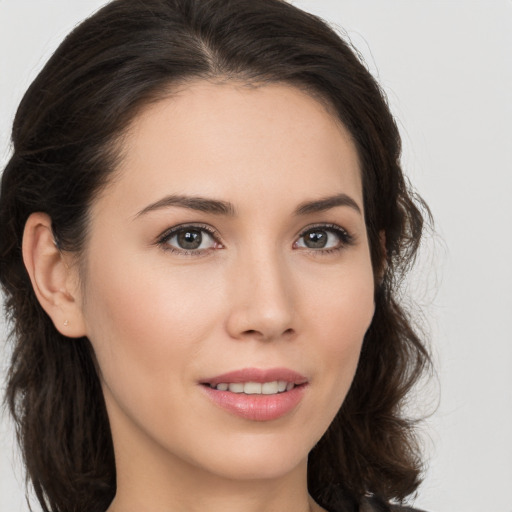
point(315, 239)
point(189, 238)
point(323, 238)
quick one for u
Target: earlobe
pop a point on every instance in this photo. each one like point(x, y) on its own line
point(54, 279)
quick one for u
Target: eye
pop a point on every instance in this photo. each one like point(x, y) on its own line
point(188, 239)
point(324, 238)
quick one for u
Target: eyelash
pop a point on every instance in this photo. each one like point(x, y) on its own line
point(346, 239)
point(167, 235)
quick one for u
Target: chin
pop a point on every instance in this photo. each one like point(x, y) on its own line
point(259, 468)
point(268, 457)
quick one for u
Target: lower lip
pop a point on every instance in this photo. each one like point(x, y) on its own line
point(257, 407)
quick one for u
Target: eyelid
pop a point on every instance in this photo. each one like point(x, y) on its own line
point(163, 238)
point(346, 237)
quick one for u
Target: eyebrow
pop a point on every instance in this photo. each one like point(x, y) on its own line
point(201, 204)
point(326, 203)
point(218, 207)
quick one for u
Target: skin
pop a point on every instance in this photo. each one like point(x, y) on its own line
point(162, 319)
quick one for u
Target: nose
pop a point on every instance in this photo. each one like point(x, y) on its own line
point(261, 299)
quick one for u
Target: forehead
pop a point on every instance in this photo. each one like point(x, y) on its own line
point(237, 142)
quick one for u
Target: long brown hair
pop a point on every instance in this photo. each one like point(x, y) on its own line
point(66, 144)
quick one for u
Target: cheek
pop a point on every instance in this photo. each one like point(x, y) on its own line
point(342, 303)
point(343, 341)
point(144, 323)
point(340, 312)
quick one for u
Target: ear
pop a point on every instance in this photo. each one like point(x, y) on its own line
point(54, 276)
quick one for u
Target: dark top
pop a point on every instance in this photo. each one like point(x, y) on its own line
point(373, 504)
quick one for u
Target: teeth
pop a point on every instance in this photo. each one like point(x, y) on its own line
point(269, 388)
point(237, 387)
point(252, 388)
point(256, 388)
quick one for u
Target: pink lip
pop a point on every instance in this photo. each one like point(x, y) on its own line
point(257, 375)
point(257, 407)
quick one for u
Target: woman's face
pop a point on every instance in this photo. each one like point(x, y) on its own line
point(228, 257)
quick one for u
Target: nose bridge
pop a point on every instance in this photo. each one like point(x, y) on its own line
point(262, 293)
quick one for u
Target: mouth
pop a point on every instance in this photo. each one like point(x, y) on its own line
point(255, 388)
point(257, 381)
point(256, 394)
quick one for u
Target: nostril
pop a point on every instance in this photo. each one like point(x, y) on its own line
point(261, 334)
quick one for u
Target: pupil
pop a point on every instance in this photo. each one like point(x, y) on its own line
point(315, 239)
point(190, 239)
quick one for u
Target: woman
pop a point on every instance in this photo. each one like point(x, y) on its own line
point(203, 226)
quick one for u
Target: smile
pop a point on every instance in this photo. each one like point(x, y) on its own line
point(255, 388)
point(257, 394)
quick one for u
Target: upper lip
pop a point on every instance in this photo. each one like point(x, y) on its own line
point(257, 375)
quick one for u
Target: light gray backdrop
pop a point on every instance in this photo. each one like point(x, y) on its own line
point(446, 66)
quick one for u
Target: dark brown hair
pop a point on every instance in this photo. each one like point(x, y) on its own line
point(65, 146)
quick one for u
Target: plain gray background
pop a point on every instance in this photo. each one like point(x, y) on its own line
point(446, 66)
